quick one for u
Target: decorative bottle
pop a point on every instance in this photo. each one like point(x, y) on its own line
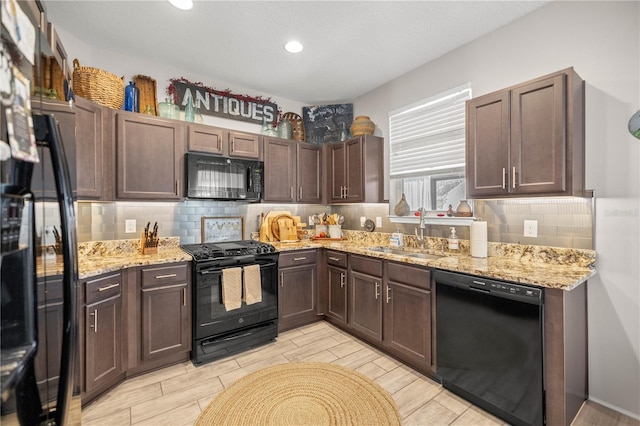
point(402, 208)
point(463, 209)
point(285, 130)
point(132, 98)
point(189, 113)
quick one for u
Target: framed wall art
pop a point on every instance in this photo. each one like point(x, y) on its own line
point(226, 228)
point(327, 123)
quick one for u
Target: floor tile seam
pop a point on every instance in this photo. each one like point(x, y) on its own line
point(432, 399)
point(173, 409)
point(190, 384)
point(95, 419)
point(101, 401)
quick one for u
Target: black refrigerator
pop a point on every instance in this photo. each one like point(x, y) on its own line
point(38, 259)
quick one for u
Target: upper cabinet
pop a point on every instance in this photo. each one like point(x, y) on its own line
point(293, 171)
point(355, 170)
point(149, 153)
point(528, 139)
point(215, 140)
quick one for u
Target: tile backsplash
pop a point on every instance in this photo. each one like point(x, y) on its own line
point(562, 222)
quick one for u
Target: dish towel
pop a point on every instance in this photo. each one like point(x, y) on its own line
point(232, 288)
point(252, 284)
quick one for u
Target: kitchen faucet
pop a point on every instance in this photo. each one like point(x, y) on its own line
point(420, 238)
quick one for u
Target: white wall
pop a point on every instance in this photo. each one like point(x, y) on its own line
point(121, 65)
point(601, 40)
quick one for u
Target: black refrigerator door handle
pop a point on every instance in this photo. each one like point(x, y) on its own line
point(53, 141)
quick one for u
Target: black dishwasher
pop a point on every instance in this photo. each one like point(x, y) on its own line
point(489, 340)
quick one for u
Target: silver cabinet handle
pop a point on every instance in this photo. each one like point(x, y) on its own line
point(300, 196)
point(108, 287)
point(335, 259)
point(295, 259)
point(95, 320)
point(281, 279)
point(343, 279)
point(377, 290)
point(513, 184)
point(291, 192)
point(388, 294)
point(504, 178)
point(159, 277)
point(184, 297)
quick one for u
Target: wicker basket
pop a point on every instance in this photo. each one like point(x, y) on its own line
point(98, 86)
point(148, 92)
point(296, 124)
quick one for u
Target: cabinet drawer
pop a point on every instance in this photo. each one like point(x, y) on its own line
point(405, 274)
point(337, 258)
point(162, 275)
point(294, 258)
point(366, 265)
point(103, 288)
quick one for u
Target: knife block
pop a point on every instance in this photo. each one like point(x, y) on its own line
point(148, 247)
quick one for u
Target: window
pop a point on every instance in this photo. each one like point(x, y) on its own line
point(427, 151)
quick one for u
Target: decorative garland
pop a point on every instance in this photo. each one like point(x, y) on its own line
point(171, 91)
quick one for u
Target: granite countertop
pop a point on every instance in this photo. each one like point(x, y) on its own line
point(549, 267)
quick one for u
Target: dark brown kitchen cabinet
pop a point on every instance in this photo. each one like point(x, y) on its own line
point(149, 152)
point(228, 143)
point(337, 287)
point(293, 171)
point(355, 170)
point(208, 139)
point(95, 154)
point(104, 361)
point(165, 311)
point(44, 185)
point(47, 361)
point(365, 300)
point(407, 314)
point(297, 291)
point(527, 139)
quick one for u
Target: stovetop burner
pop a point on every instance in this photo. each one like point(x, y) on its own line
point(210, 251)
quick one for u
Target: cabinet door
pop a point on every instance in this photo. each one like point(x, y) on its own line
point(538, 137)
point(103, 340)
point(47, 360)
point(93, 151)
point(297, 301)
point(365, 307)
point(149, 157)
point(336, 172)
point(205, 139)
point(487, 155)
point(43, 183)
point(337, 300)
point(407, 322)
point(354, 172)
point(279, 170)
point(166, 322)
point(309, 173)
point(244, 145)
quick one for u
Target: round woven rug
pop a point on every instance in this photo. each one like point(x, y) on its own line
point(306, 393)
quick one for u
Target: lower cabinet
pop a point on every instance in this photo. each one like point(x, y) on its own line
point(365, 303)
point(407, 314)
point(297, 291)
point(103, 333)
point(337, 287)
point(47, 361)
point(165, 311)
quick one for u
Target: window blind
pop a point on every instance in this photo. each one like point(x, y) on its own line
point(428, 137)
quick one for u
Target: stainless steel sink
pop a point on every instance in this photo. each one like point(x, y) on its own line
point(405, 253)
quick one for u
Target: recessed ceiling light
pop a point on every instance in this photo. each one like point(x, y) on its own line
point(293, 46)
point(182, 4)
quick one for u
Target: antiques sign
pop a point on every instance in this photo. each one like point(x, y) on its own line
point(224, 104)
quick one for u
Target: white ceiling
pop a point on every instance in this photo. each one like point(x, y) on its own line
point(350, 48)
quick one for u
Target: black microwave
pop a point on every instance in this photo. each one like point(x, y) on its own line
point(220, 178)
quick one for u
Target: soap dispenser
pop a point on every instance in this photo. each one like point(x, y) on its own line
point(453, 240)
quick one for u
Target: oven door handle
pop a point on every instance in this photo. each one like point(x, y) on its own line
point(219, 270)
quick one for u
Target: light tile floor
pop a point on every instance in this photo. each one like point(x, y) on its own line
point(177, 395)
